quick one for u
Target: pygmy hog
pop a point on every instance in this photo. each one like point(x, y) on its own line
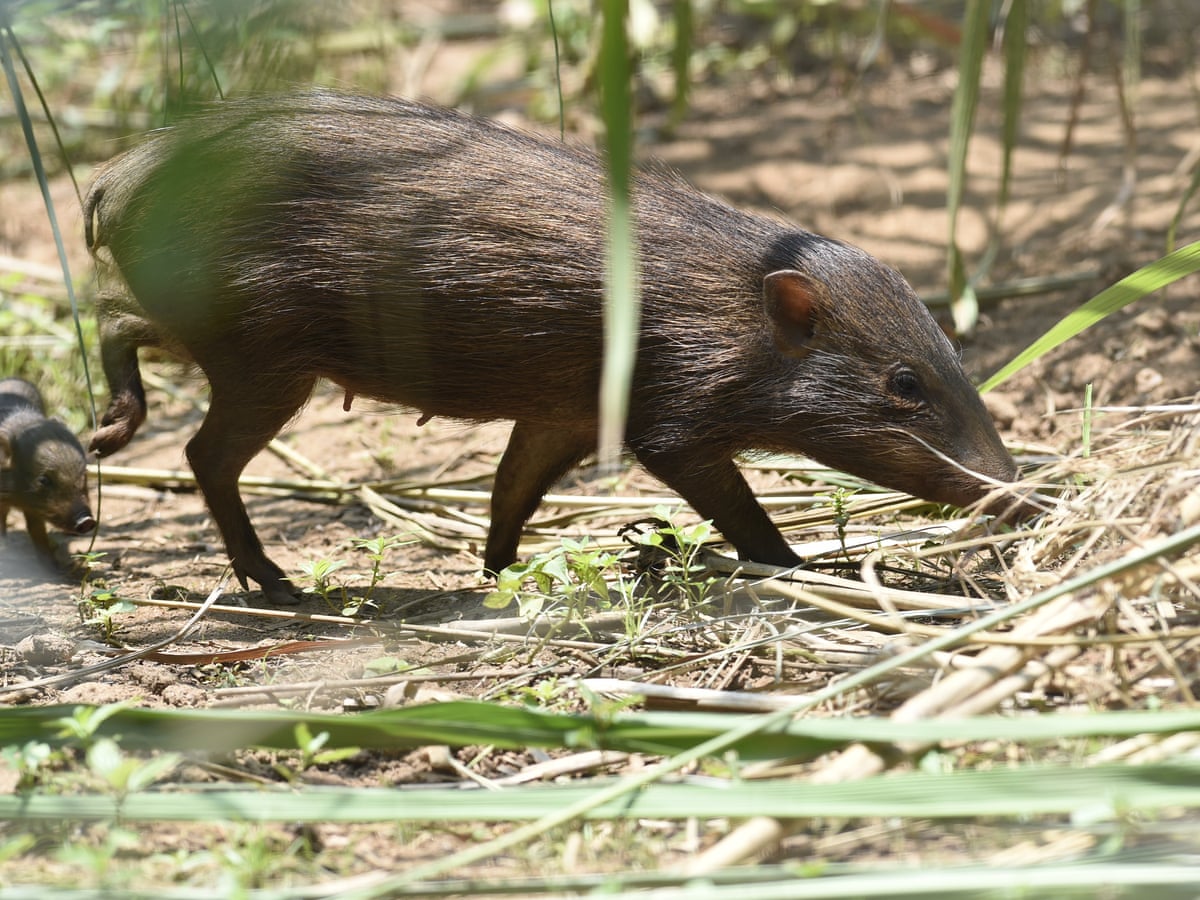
point(423, 257)
point(43, 471)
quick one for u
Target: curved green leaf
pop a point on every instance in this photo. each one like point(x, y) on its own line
point(1145, 280)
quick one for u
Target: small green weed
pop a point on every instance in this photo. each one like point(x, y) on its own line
point(16, 846)
point(100, 860)
point(118, 771)
point(577, 578)
point(311, 753)
point(101, 608)
point(682, 572)
point(318, 571)
point(570, 577)
point(551, 694)
point(124, 774)
point(32, 762)
point(338, 596)
point(98, 604)
point(81, 726)
point(252, 855)
point(839, 499)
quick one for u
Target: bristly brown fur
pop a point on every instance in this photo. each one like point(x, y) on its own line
point(419, 256)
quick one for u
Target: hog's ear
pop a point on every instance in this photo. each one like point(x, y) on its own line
point(793, 303)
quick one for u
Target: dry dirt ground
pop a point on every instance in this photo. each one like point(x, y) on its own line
point(867, 166)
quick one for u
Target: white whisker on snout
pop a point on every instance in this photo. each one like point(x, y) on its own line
point(1005, 488)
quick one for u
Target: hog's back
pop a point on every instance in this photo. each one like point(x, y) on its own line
point(410, 254)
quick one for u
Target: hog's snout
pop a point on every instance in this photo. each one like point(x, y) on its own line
point(84, 524)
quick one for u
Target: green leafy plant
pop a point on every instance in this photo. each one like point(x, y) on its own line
point(120, 772)
point(683, 570)
point(84, 721)
point(570, 577)
point(376, 548)
point(249, 857)
point(386, 665)
point(31, 761)
point(549, 694)
point(318, 572)
point(102, 607)
point(339, 596)
point(99, 860)
point(839, 499)
point(311, 754)
point(124, 774)
point(98, 604)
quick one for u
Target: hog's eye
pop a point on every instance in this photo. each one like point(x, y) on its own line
point(906, 386)
point(44, 482)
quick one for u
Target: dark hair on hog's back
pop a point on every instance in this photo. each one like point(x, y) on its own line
point(421, 257)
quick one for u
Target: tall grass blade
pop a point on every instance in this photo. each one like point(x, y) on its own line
point(621, 301)
point(1146, 280)
point(558, 86)
point(963, 304)
point(7, 40)
point(1015, 28)
point(199, 39)
point(465, 722)
point(1188, 194)
point(681, 56)
point(1106, 792)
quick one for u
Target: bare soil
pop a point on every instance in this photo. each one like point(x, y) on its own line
point(867, 166)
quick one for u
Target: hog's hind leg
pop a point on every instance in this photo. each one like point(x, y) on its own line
point(120, 337)
point(536, 457)
point(245, 412)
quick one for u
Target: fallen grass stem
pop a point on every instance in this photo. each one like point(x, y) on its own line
point(500, 630)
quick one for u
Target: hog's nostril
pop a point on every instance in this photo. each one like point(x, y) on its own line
point(84, 524)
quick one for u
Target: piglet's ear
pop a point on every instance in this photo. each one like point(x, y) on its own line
point(5, 451)
point(793, 302)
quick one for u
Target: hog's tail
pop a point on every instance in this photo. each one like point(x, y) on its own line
point(91, 224)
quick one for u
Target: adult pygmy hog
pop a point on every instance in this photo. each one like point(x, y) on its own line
point(43, 471)
point(418, 256)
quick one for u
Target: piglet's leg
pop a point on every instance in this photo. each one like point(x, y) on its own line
point(36, 526)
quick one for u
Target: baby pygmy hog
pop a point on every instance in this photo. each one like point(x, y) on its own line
point(43, 470)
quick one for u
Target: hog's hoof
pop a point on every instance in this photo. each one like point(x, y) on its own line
point(111, 437)
point(276, 588)
point(126, 412)
point(280, 593)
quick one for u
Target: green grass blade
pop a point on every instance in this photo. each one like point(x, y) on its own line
point(456, 723)
point(621, 301)
point(1162, 877)
point(1104, 792)
point(1015, 37)
point(7, 39)
point(1145, 280)
point(465, 722)
point(962, 117)
point(558, 85)
point(1188, 194)
point(681, 56)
